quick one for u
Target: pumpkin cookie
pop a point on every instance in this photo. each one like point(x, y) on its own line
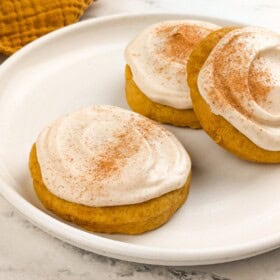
point(155, 71)
point(234, 77)
point(110, 170)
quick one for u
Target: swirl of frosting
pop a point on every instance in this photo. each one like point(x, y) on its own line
point(240, 81)
point(158, 56)
point(108, 156)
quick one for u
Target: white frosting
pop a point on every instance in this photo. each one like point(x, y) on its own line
point(240, 81)
point(107, 156)
point(160, 75)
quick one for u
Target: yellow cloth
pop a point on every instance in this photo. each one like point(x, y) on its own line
point(22, 21)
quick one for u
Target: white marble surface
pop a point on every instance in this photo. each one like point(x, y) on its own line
point(27, 253)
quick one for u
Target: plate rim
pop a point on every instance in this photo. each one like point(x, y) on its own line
point(115, 248)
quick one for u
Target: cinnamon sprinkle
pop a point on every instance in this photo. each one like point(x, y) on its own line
point(230, 79)
point(115, 155)
point(260, 81)
point(125, 145)
point(239, 77)
point(179, 40)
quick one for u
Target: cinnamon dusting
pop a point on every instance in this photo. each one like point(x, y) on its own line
point(125, 145)
point(116, 154)
point(239, 77)
point(230, 79)
point(180, 40)
point(260, 81)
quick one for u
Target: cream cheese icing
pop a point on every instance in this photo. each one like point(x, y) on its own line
point(158, 56)
point(107, 156)
point(240, 81)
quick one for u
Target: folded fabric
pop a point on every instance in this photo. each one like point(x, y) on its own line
point(22, 21)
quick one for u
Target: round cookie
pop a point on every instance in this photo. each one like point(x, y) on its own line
point(103, 168)
point(128, 219)
point(155, 71)
point(219, 129)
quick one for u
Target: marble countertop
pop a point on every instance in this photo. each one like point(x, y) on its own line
point(27, 253)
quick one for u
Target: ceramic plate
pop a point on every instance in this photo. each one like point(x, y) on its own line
point(233, 209)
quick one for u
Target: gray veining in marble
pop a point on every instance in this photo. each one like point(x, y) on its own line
point(27, 253)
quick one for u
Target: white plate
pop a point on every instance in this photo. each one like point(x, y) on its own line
point(233, 210)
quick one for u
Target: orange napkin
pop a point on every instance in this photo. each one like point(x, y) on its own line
point(22, 21)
